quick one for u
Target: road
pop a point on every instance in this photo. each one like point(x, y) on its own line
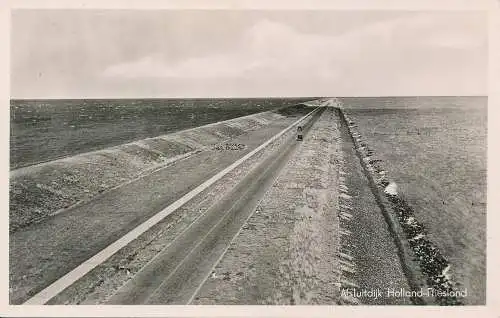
point(43, 253)
point(265, 224)
point(185, 264)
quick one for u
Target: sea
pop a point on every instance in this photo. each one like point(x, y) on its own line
point(45, 130)
point(435, 150)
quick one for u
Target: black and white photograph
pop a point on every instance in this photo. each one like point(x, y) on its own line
point(248, 157)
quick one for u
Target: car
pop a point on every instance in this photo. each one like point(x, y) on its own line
point(299, 133)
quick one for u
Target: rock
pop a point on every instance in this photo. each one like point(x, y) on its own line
point(391, 188)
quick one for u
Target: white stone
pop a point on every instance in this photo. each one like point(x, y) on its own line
point(392, 188)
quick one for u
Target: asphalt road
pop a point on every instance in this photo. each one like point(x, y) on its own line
point(42, 253)
point(176, 273)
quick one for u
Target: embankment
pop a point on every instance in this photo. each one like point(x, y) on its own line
point(367, 251)
point(39, 191)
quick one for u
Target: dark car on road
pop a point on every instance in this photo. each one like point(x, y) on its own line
point(299, 133)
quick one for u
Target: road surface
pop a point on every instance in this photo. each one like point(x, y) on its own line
point(40, 254)
point(175, 274)
point(265, 224)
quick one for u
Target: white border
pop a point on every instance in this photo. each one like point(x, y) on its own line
point(492, 309)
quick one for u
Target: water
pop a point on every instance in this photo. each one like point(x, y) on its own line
point(434, 148)
point(43, 130)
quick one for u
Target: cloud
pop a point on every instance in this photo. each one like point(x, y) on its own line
point(258, 54)
point(267, 49)
point(155, 66)
point(276, 50)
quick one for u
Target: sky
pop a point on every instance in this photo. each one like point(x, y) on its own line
point(247, 53)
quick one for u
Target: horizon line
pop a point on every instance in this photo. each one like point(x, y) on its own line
point(235, 97)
